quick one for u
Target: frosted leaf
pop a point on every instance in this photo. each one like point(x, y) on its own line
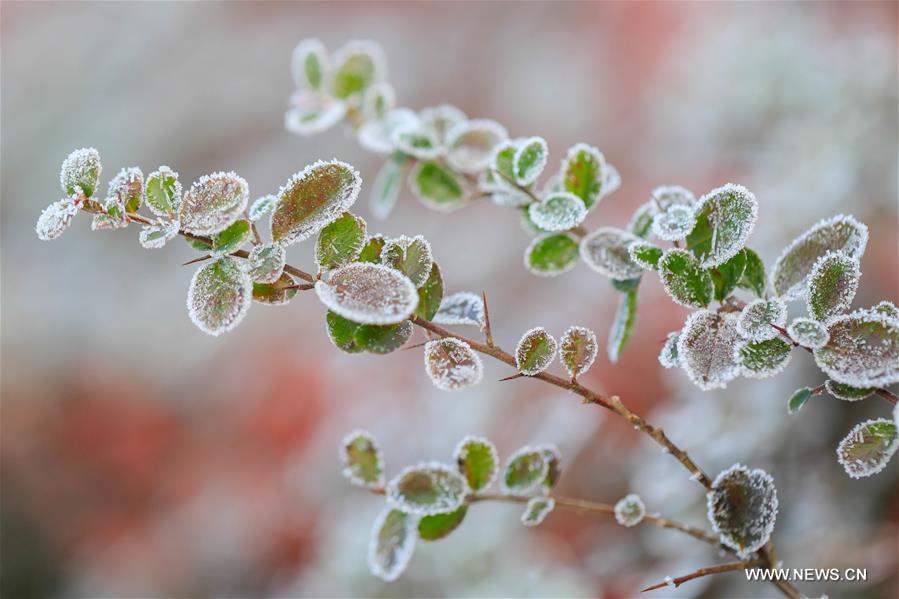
point(646, 254)
point(378, 100)
point(162, 192)
point(510, 198)
point(266, 262)
point(606, 250)
point(840, 234)
point(313, 112)
point(705, 349)
point(357, 65)
point(353, 337)
point(558, 212)
point(553, 184)
point(553, 459)
point(275, 294)
point(156, 236)
point(363, 463)
point(371, 251)
point(583, 173)
point(535, 351)
point(551, 254)
point(441, 119)
point(668, 357)
point(127, 187)
point(416, 141)
point(611, 181)
point(392, 543)
point(213, 202)
point(477, 461)
point(409, 255)
point(437, 186)
point(377, 135)
point(863, 350)
point(667, 196)
point(452, 364)
point(725, 218)
point(427, 488)
point(470, 144)
point(536, 510)
point(753, 278)
point(529, 160)
point(629, 510)
point(756, 319)
point(798, 399)
point(763, 359)
point(726, 277)
point(462, 307)
point(642, 219)
point(369, 294)
point(623, 325)
point(887, 308)
point(106, 221)
point(312, 199)
point(525, 470)
point(808, 333)
point(832, 284)
point(742, 507)
point(219, 296)
point(675, 223)
point(80, 172)
point(848, 392)
point(262, 206)
point(577, 350)
point(430, 294)
point(502, 163)
point(340, 242)
point(232, 238)
point(309, 64)
point(868, 447)
point(439, 526)
point(386, 188)
point(685, 280)
point(55, 219)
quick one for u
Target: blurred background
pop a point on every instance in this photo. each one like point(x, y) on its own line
point(142, 458)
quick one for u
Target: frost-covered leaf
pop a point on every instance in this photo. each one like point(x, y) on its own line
point(438, 526)
point(462, 307)
point(629, 510)
point(470, 144)
point(558, 212)
point(427, 488)
point(340, 242)
point(583, 173)
point(756, 319)
point(646, 254)
point(417, 141)
point(363, 463)
point(622, 326)
point(342, 333)
point(666, 196)
point(501, 174)
point(762, 359)
point(798, 399)
point(392, 543)
point(452, 364)
point(262, 206)
point(577, 350)
point(309, 64)
point(128, 188)
point(725, 218)
point(848, 392)
point(386, 188)
point(525, 470)
point(530, 160)
point(232, 238)
point(379, 99)
point(357, 65)
point(535, 351)
point(611, 180)
point(219, 296)
point(376, 135)
point(371, 251)
point(441, 119)
point(266, 263)
point(863, 350)
point(742, 507)
point(369, 294)
point(705, 349)
point(114, 218)
point(832, 284)
point(80, 172)
point(409, 255)
point(162, 192)
point(887, 308)
point(275, 294)
point(753, 278)
point(551, 254)
point(478, 462)
point(55, 219)
point(313, 112)
point(536, 510)
point(868, 447)
point(382, 339)
point(641, 221)
point(675, 223)
point(437, 186)
point(808, 333)
point(726, 277)
point(606, 250)
point(156, 236)
point(213, 203)
point(668, 357)
point(685, 280)
point(553, 459)
point(839, 234)
point(430, 294)
point(313, 199)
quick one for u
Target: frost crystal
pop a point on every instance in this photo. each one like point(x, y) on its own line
point(705, 349)
point(219, 296)
point(266, 262)
point(757, 317)
point(452, 364)
point(868, 447)
point(630, 510)
point(262, 206)
point(369, 294)
point(675, 223)
point(427, 488)
point(725, 218)
point(808, 333)
point(362, 460)
point(536, 510)
point(863, 350)
point(156, 236)
point(684, 279)
point(529, 160)
point(847, 392)
point(127, 187)
point(535, 351)
point(668, 356)
point(742, 507)
point(605, 250)
point(80, 172)
point(55, 219)
point(525, 470)
point(558, 212)
point(477, 461)
point(409, 255)
point(832, 285)
point(887, 308)
point(577, 350)
point(213, 203)
point(463, 307)
point(646, 254)
point(162, 192)
point(392, 543)
point(763, 359)
point(470, 144)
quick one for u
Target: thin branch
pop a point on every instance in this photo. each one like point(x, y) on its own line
point(887, 395)
point(728, 567)
point(198, 259)
point(511, 377)
point(520, 188)
point(488, 332)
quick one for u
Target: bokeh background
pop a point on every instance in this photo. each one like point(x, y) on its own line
point(142, 458)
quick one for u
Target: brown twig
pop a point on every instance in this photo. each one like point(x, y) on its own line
point(728, 567)
point(488, 332)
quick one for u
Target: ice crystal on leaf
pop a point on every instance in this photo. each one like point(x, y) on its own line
point(362, 460)
point(525, 470)
point(606, 250)
point(452, 364)
point(477, 461)
point(55, 219)
point(706, 348)
point(646, 254)
point(357, 65)
point(623, 325)
point(437, 186)
point(232, 238)
point(156, 236)
point(438, 526)
point(666, 196)
point(668, 356)
point(577, 350)
point(369, 294)
point(536, 510)
point(863, 350)
point(529, 160)
point(553, 459)
point(392, 543)
point(756, 319)
point(213, 202)
point(725, 218)
point(551, 254)
point(629, 511)
point(127, 187)
point(762, 359)
point(868, 447)
point(427, 488)
point(266, 262)
point(386, 188)
point(887, 308)
point(685, 280)
point(80, 172)
point(832, 284)
point(742, 507)
point(409, 255)
point(313, 112)
point(462, 307)
point(675, 223)
point(583, 173)
point(430, 294)
point(642, 219)
point(808, 333)
point(219, 296)
point(470, 144)
point(340, 242)
point(309, 64)
point(847, 392)
point(275, 294)
point(558, 212)
point(162, 191)
point(417, 141)
point(535, 351)
point(753, 278)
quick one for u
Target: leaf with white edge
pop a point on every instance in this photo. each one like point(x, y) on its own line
point(863, 350)
point(440, 119)
point(726, 277)
point(363, 463)
point(763, 359)
point(231, 238)
point(377, 135)
point(416, 141)
point(848, 392)
point(706, 348)
point(583, 173)
point(839, 234)
point(606, 250)
point(666, 196)
point(470, 145)
point(314, 198)
point(641, 222)
point(530, 160)
point(668, 357)
point(832, 284)
point(753, 278)
point(369, 294)
point(808, 333)
point(725, 218)
point(452, 364)
point(275, 294)
point(80, 172)
point(340, 242)
point(887, 308)
point(685, 280)
point(379, 99)
point(128, 188)
point(675, 223)
point(386, 188)
point(756, 319)
point(551, 254)
point(536, 510)
point(371, 251)
point(55, 219)
point(427, 488)
point(622, 326)
point(106, 221)
point(213, 203)
point(357, 65)
point(742, 507)
point(266, 262)
point(438, 526)
point(630, 510)
point(313, 112)
point(646, 254)
point(219, 296)
point(462, 307)
point(153, 237)
point(535, 351)
point(409, 255)
point(501, 174)
point(262, 206)
point(577, 350)
point(525, 470)
point(430, 294)
point(798, 399)
point(477, 461)
point(553, 459)
point(392, 543)
point(611, 181)
point(437, 186)
point(868, 447)
point(309, 64)
point(558, 212)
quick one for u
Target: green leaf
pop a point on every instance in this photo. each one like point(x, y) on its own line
point(277, 293)
point(437, 186)
point(357, 65)
point(362, 460)
point(646, 254)
point(863, 350)
point(641, 221)
point(832, 285)
point(536, 510)
point(535, 351)
point(742, 507)
point(552, 254)
point(198, 244)
point(630, 510)
point(430, 294)
point(625, 285)
point(623, 325)
point(409, 255)
point(219, 296)
point(503, 163)
point(583, 173)
point(525, 471)
point(386, 188)
point(577, 350)
point(438, 526)
point(128, 188)
point(262, 206)
point(371, 251)
point(607, 251)
point(553, 460)
point(726, 276)
point(757, 317)
point(725, 218)
point(379, 100)
point(266, 263)
point(212, 203)
point(80, 172)
point(342, 333)
point(887, 308)
point(706, 349)
point(558, 211)
point(340, 242)
point(798, 399)
point(753, 278)
point(761, 359)
point(471, 144)
point(392, 543)
point(232, 238)
point(309, 64)
point(530, 160)
point(685, 280)
point(162, 192)
point(428, 488)
point(312, 199)
point(868, 447)
point(848, 392)
point(382, 339)
point(808, 333)
point(451, 364)
point(477, 461)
